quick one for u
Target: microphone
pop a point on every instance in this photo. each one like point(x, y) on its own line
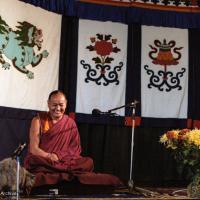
point(18, 150)
point(134, 103)
point(96, 111)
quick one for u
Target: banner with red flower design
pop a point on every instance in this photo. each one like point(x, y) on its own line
point(101, 74)
point(164, 72)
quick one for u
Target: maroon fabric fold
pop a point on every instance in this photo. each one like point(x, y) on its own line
point(63, 139)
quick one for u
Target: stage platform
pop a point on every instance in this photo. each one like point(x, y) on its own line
point(93, 198)
point(123, 193)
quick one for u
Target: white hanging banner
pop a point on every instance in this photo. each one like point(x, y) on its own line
point(29, 54)
point(164, 72)
point(101, 76)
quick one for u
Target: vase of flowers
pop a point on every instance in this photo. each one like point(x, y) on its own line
point(185, 147)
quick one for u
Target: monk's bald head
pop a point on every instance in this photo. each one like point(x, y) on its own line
point(56, 92)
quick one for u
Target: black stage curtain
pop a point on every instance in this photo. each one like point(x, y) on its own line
point(14, 130)
point(68, 58)
point(194, 72)
point(133, 77)
point(110, 145)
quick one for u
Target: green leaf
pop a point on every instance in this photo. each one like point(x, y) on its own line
point(108, 60)
point(99, 36)
point(97, 60)
point(115, 49)
point(3, 30)
point(107, 37)
point(91, 48)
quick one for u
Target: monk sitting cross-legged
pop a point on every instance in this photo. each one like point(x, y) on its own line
point(55, 151)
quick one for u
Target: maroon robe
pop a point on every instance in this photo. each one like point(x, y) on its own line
point(63, 140)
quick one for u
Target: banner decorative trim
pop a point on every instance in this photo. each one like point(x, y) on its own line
point(148, 5)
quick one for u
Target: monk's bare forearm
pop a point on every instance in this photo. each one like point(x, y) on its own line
point(39, 152)
point(34, 146)
point(42, 153)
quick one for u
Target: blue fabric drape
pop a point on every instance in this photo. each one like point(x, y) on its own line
point(61, 7)
point(138, 15)
point(120, 14)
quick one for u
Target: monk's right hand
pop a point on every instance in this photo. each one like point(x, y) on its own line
point(52, 157)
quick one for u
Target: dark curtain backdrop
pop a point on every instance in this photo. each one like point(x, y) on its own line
point(110, 145)
point(194, 73)
point(68, 59)
point(133, 78)
point(14, 129)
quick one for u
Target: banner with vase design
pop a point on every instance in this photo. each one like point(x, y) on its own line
point(164, 72)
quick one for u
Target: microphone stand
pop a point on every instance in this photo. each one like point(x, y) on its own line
point(131, 185)
point(130, 182)
point(16, 155)
point(18, 168)
point(133, 106)
point(126, 105)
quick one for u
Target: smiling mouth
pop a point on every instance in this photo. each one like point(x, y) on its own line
point(57, 112)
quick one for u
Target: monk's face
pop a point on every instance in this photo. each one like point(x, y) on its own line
point(57, 105)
